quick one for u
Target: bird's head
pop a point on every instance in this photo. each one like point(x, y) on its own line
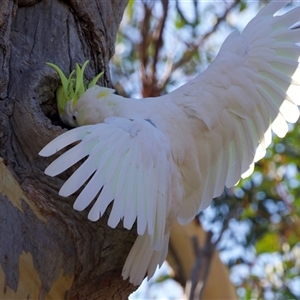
point(74, 95)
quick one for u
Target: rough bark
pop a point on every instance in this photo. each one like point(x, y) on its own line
point(48, 250)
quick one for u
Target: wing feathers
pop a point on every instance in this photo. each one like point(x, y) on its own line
point(90, 191)
point(288, 19)
point(64, 140)
point(255, 81)
point(142, 220)
point(79, 177)
point(270, 10)
point(70, 157)
point(285, 35)
point(130, 160)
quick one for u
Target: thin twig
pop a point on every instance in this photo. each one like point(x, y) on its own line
point(195, 46)
point(192, 284)
point(200, 272)
point(158, 36)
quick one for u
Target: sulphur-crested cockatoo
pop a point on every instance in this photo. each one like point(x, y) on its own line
point(162, 160)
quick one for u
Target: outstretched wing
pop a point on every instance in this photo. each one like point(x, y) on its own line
point(129, 161)
point(251, 88)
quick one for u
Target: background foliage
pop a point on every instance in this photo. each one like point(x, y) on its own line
point(256, 225)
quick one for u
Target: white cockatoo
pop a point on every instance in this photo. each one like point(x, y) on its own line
point(162, 160)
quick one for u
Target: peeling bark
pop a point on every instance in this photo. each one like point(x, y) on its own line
point(48, 250)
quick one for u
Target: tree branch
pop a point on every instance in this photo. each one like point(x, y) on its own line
point(195, 46)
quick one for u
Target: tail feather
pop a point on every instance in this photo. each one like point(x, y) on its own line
point(143, 260)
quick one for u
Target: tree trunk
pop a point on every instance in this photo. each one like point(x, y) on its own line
point(48, 250)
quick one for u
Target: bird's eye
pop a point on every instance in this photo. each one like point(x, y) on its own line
point(74, 116)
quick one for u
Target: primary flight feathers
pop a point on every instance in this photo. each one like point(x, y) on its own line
point(132, 168)
point(161, 160)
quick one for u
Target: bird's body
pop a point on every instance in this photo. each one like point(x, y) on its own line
point(161, 160)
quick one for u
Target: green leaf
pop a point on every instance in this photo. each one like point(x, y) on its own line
point(162, 278)
point(243, 6)
point(248, 294)
point(130, 8)
point(268, 243)
point(179, 21)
